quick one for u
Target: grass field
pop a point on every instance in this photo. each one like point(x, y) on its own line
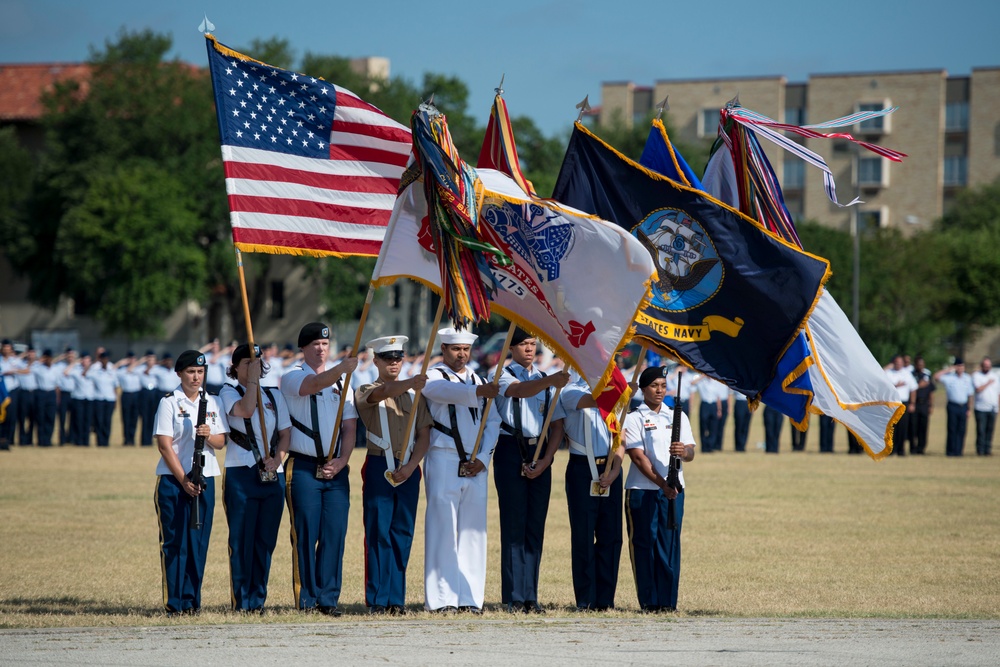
point(798, 534)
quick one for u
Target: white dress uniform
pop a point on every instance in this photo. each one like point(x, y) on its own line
point(455, 521)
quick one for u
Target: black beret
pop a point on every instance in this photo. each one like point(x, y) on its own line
point(650, 374)
point(959, 362)
point(5, 341)
point(243, 352)
point(150, 352)
point(313, 331)
point(520, 335)
point(189, 358)
point(46, 352)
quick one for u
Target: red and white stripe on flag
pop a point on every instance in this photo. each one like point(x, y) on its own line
point(310, 167)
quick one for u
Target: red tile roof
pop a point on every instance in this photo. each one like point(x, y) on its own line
point(22, 85)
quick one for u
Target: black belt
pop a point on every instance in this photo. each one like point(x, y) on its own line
point(598, 460)
point(306, 458)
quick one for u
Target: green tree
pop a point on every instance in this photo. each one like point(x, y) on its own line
point(967, 238)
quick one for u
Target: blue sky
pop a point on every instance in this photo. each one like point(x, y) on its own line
point(553, 52)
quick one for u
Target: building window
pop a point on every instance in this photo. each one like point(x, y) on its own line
point(795, 173)
point(872, 219)
point(955, 170)
point(795, 116)
point(871, 172)
point(277, 299)
point(956, 117)
point(878, 125)
point(708, 123)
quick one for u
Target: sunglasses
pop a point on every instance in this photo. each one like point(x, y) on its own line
point(390, 356)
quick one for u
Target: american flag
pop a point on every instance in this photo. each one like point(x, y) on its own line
point(311, 168)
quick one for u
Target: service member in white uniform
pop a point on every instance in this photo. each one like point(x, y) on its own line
point(183, 549)
point(455, 521)
point(317, 487)
point(653, 510)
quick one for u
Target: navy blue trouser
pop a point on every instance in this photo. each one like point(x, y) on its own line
point(390, 514)
point(183, 550)
point(826, 426)
point(26, 416)
point(708, 421)
point(595, 525)
point(773, 419)
point(720, 427)
point(81, 421)
point(985, 423)
point(253, 512)
point(63, 414)
point(45, 409)
point(524, 504)
point(798, 438)
point(130, 416)
point(149, 400)
point(317, 510)
point(103, 414)
point(654, 546)
point(7, 427)
point(741, 424)
point(958, 417)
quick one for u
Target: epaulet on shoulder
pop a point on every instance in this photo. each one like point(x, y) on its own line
point(168, 394)
point(631, 410)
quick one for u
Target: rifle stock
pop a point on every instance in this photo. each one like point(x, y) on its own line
point(673, 475)
point(197, 474)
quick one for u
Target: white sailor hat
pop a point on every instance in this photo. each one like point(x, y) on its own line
point(387, 344)
point(452, 336)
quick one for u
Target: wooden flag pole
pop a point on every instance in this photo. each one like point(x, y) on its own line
point(545, 426)
point(423, 371)
point(621, 417)
point(347, 378)
point(496, 382)
point(250, 342)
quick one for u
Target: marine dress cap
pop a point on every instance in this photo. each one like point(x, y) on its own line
point(650, 375)
point(189, 358)
point(453, 336)
point(313, 331)
point(387, 344)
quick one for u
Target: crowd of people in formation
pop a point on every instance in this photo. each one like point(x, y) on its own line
point(289, 427)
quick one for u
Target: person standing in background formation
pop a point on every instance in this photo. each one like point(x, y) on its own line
point(906, 392)
point(961, 394)
point(64, 391)
point(29, 410)
point(131, 385)
point(105, 380)
point(773, 420)
point(149, 397)
point(10, 372)
point(741, 421)
point(46, 375)
point(184, 548)
point(987, 403)
point(920, 419)
point(82, 405)
point(826, 426)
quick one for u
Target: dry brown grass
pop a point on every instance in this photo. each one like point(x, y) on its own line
point(798, 534)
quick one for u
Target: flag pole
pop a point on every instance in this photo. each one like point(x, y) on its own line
point(496, 382)
point(621, 418)
point(347, 378)
point(250, 343)
point(545, 426)
point(423, 371)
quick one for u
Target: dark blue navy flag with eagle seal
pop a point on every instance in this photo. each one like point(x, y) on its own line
point(728, 297)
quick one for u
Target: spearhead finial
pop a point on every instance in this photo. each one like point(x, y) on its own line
point(427, 106)
point(733, 103)
point(206, 26)
point(584, 107)
point(661, 107)
point(499, 89)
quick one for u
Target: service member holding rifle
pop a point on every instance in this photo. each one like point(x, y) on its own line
point(523, 480)
point(391, 474)
point(656, 440)
point(254, 485)
point(317, 486)
point(185, 495)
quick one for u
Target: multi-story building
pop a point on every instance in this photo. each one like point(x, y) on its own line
point(949, 126)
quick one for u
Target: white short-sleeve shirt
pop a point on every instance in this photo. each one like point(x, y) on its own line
point(176, 417)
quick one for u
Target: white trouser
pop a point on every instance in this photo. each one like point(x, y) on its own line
point(455, 538)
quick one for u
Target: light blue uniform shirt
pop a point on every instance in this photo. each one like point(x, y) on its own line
point(959, 387)
point(578, 422)
point(532, 408)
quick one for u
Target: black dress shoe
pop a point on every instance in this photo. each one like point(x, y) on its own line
point(396, 610)
point(531, 607)
point(330, 611)
point(514, 608)
point(446, 610)
point(468, 608)
point(377, 610)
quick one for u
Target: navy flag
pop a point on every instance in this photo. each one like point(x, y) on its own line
point(728, 297)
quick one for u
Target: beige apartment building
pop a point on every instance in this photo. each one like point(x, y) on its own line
point(949, 126)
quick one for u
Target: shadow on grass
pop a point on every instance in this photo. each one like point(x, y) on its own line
point(71, 606)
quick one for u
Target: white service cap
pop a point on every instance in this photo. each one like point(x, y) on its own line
point(452, 336)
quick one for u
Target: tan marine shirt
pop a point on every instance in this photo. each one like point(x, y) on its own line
point(397, 412)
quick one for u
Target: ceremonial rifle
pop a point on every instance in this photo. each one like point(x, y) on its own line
point(197, 474)
point(673, 475)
